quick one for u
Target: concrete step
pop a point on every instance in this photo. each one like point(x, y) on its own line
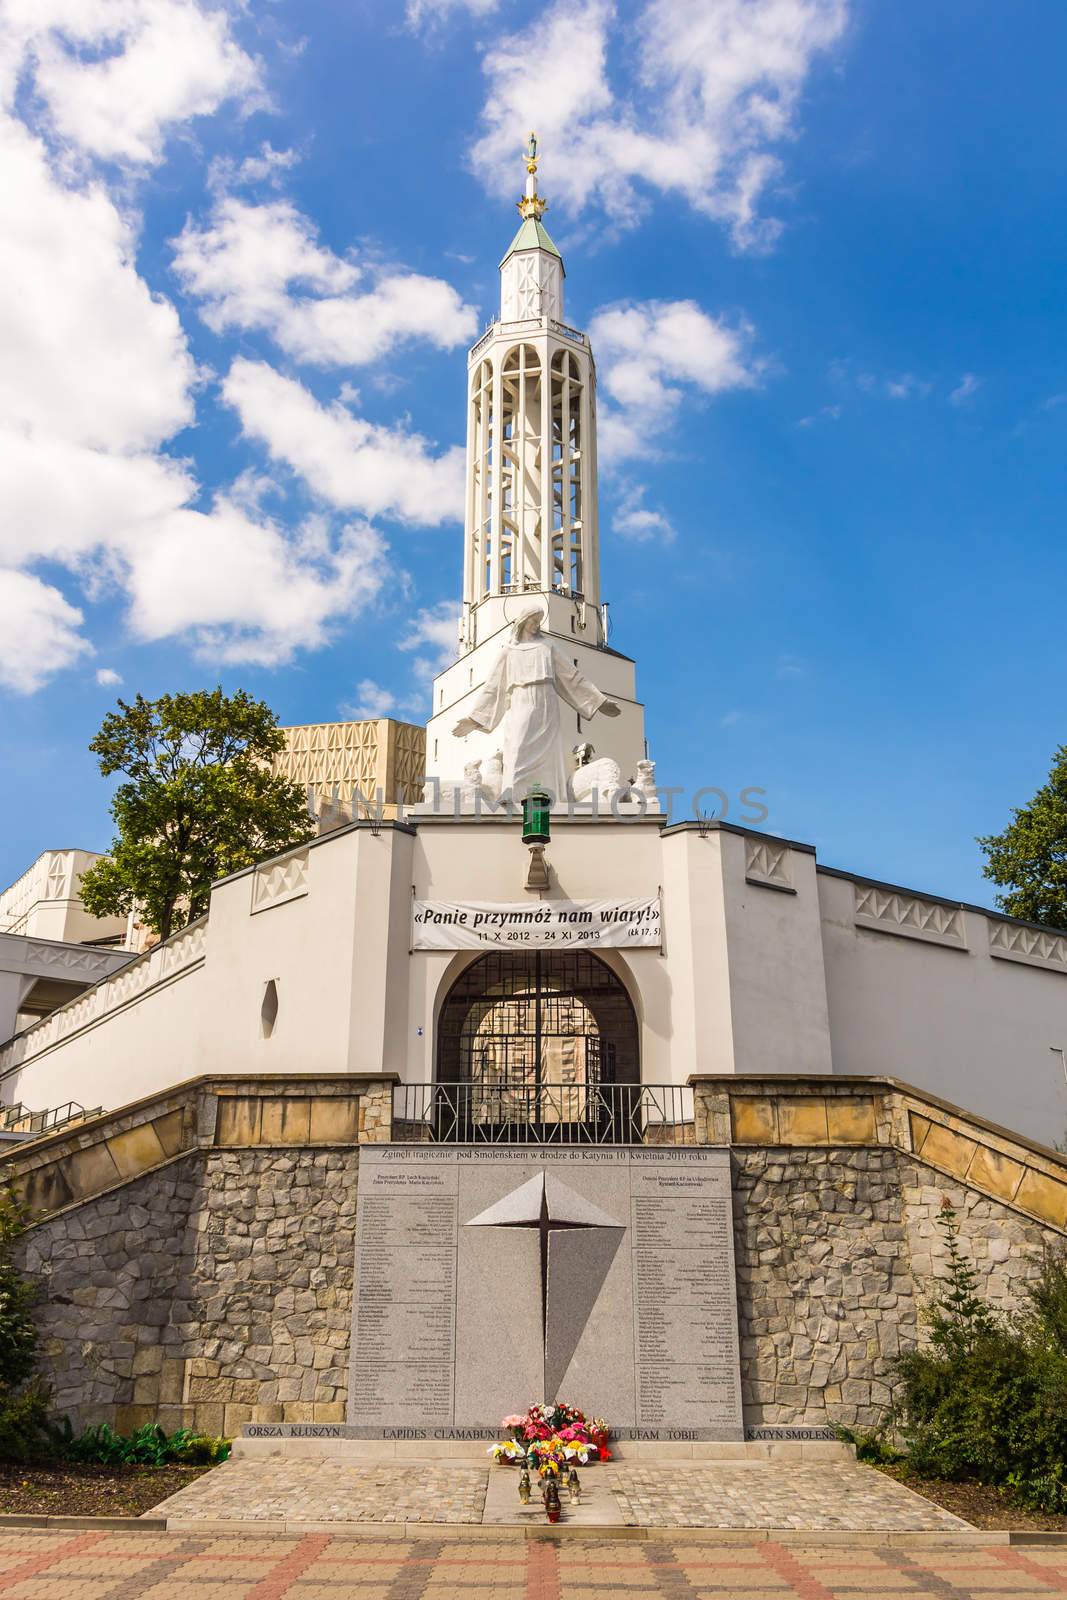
point(752, 1452)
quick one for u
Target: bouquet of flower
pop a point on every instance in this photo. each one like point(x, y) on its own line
point(547, 1436)
point(512, 1453)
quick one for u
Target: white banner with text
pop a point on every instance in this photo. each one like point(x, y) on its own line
point(546, 925)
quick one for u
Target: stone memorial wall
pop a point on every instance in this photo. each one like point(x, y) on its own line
point(195, 1258)
point(487, 1279)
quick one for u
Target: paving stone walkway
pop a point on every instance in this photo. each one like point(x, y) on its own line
point(797, 1496)
point(284, 1492)
point(167, 1566)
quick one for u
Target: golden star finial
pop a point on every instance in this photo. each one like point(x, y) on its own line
point(531, 204)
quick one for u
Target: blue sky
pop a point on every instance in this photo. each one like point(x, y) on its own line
point(246, 249)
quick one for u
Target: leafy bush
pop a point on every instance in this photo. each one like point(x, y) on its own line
point(199, 1450)
point(18, 1335)
point(149, 1446)
point(873, 1445)
point(27, 1430)
point(987, 1399)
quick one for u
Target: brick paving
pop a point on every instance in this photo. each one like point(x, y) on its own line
point(57, 1565)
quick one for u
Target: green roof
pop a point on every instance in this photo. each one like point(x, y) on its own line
point(532, 235)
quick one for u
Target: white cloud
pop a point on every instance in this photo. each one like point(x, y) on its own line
point(108, 678)
point(420, 11)
point(90, 355)
point(244, 591)
point(650, 352)
point(966, 389)
point(347, 461)
point(115, 74)
point(634, 520)
point(269, 167)
point(791, 667)
point(713, 88)
point(906, 386)
point(374, 700)
point(262, 267)
point(97, 377)
point(38, 632)
point(436, 628)
point(827, 413)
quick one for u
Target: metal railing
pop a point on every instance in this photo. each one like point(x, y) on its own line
point(17, 1119)
point(530, 1113)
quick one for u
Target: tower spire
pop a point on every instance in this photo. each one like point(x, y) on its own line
point(531, 205)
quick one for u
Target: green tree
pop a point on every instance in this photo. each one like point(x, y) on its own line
point(199, 801)
point(959, 1318)
point(1029, 858)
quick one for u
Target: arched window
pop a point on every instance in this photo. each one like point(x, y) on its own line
point(520, 469)
point(531, 1037)
point(481, 434)
point(568, 568)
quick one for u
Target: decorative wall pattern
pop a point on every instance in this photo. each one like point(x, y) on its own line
point(768, 862)
point(278, 881)
point(1014, 941)
point(181, 953)
point(332, 758)
point(69, 960)
point(47, 879)
point(325, 753)
point(889, 911)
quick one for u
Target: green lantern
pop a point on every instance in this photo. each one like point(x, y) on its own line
point(536, 809)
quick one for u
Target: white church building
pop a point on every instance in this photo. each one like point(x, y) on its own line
point(627, 955)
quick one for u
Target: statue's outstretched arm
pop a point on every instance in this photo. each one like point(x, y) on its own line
point(579, 691)
point(487, 708)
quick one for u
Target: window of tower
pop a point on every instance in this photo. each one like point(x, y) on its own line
point(567, 471)
point(481, 434)
point(519, 536)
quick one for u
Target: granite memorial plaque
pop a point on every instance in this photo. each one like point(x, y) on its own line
point(487, 1279)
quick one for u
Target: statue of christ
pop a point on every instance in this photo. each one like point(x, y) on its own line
point(523, 691)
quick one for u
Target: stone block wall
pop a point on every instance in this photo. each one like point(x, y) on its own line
point(214, 1293)
point(215, 1287)
point(837, 1241)
point(196, 1251)
point(837, 1251)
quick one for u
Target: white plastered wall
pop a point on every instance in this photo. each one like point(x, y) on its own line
point(778, 1008)
point(750, 978)
point(148, 1044)
point(981, 1031)
point(588, 861)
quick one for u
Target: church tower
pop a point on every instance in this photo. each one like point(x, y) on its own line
point(531, 515)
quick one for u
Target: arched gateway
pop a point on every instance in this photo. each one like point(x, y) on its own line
point(538, 1043)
